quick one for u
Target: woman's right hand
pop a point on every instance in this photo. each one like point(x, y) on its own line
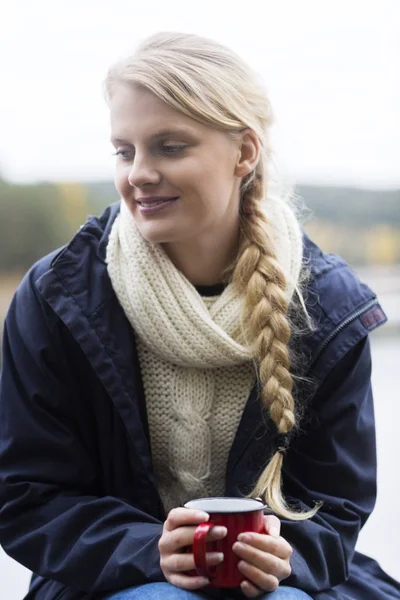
point(178, 532)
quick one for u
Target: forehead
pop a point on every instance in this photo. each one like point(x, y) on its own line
point(137, 111)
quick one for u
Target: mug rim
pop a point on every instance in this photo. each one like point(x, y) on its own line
point(243, 509)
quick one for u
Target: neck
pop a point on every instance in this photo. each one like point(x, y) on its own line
point(203, 261)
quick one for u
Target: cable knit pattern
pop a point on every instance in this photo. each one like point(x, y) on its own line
point(193, 416)
point(197, 374)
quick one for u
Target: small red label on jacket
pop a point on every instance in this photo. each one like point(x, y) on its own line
point(373, 317)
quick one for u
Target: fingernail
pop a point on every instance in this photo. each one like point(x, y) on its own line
point(202, 515)
point(242, 537)
point(215, 556)
point(220, 530)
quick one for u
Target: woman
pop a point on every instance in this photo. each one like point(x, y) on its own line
point(190, 342)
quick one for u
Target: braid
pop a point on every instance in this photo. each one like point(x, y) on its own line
point(259, 277)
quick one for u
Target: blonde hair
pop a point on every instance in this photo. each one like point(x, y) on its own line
point(211, 84)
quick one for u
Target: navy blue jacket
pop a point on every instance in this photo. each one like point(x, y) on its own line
point(79, 504)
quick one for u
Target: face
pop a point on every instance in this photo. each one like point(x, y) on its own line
point(166, 157)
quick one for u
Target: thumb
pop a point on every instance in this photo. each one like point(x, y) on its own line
point(272, 525)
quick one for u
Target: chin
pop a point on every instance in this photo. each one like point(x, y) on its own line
point(157, 233)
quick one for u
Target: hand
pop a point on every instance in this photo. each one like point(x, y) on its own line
point(178, 532)
point(265, 558)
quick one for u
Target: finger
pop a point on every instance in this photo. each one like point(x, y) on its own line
point(259, 579)
point(188, 582)
point(264, 561)
point(178, 563)
point(272, 525)
point(250, 590)
point(175, 540)
point(216, 533)
point(180, 537)
point(184, 516)
point(276, 546)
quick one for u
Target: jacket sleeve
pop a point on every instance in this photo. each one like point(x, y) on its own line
point(334, 462)
point(50, 519)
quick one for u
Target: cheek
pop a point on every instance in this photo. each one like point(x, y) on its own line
point(216, 187)
point(121, 182)
point(204, 178)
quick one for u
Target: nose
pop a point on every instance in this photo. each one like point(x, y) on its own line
point(142, 172)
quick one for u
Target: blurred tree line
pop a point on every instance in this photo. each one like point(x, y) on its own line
point(361, 225)
point(35, 219)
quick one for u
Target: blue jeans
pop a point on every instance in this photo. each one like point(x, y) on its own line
point(166, 591)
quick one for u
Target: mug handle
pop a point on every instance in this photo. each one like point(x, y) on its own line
point(199, 548)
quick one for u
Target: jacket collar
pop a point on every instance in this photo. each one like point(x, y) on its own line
point(78, 289)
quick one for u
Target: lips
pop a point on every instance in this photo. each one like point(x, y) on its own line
point(154, 200)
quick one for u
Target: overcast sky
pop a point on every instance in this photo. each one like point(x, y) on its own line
point(331, 69)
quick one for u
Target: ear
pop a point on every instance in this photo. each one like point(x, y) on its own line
point(248, 153)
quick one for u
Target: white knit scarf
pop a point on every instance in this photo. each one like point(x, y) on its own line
point(165, 309)
point(197, 374)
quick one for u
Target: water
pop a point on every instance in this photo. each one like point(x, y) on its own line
point(380, 537)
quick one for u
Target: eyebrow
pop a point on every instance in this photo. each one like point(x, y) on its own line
point(171, 132)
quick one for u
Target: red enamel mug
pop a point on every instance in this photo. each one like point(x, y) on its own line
point(238, 515)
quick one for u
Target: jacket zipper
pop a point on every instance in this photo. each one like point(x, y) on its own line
point(339, 328)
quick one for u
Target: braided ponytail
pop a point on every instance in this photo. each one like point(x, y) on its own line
point(260, 279)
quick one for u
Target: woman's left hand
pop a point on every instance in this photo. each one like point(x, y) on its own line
point(265, 559)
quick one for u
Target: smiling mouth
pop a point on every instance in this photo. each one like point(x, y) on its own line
point(155, 201)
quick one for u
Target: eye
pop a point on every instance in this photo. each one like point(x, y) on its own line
point(171, 149)
point(125, 154)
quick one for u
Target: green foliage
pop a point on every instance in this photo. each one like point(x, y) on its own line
point(36, 219)
point(352, 206)
point(29, 224)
